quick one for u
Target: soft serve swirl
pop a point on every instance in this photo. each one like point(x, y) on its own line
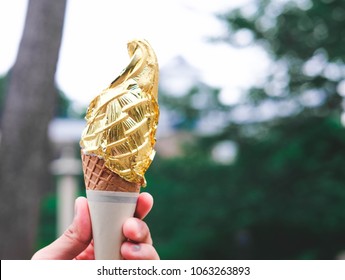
point(122, 120)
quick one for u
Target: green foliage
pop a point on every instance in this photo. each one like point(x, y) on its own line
point(63, 104)
point(189, 108)
point(305, 41)
point(47, 229)
point(185, 218)
point(283, 198)
point(294, 30)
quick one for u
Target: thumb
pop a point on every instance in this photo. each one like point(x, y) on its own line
point(74, 240)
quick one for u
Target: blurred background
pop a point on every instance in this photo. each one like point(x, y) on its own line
point(251, 140)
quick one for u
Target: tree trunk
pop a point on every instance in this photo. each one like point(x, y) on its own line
point(29, 107)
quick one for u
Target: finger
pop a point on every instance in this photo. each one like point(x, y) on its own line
point(141, 251)
point(74, 240)
point(137, 231)
point(87, 254)
point(144, 205)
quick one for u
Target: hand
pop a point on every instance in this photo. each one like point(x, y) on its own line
point(77, 243)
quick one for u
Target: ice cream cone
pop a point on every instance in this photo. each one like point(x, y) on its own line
point(117, 146)
point(111, 201)
point(98, 177)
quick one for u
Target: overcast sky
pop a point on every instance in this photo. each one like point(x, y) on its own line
point(94, 48)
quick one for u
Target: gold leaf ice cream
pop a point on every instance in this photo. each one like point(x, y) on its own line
point(122, 120)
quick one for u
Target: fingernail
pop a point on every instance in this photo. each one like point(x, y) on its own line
point(136, 247)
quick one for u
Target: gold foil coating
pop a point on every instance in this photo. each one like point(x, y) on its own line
point(122, 120)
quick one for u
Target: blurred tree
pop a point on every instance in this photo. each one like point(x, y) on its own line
point(304, 39)
point(284, 196)
point(63, 108)
point(282, 199)
point(29, 106)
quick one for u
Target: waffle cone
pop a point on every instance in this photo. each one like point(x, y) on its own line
point(98, 177)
